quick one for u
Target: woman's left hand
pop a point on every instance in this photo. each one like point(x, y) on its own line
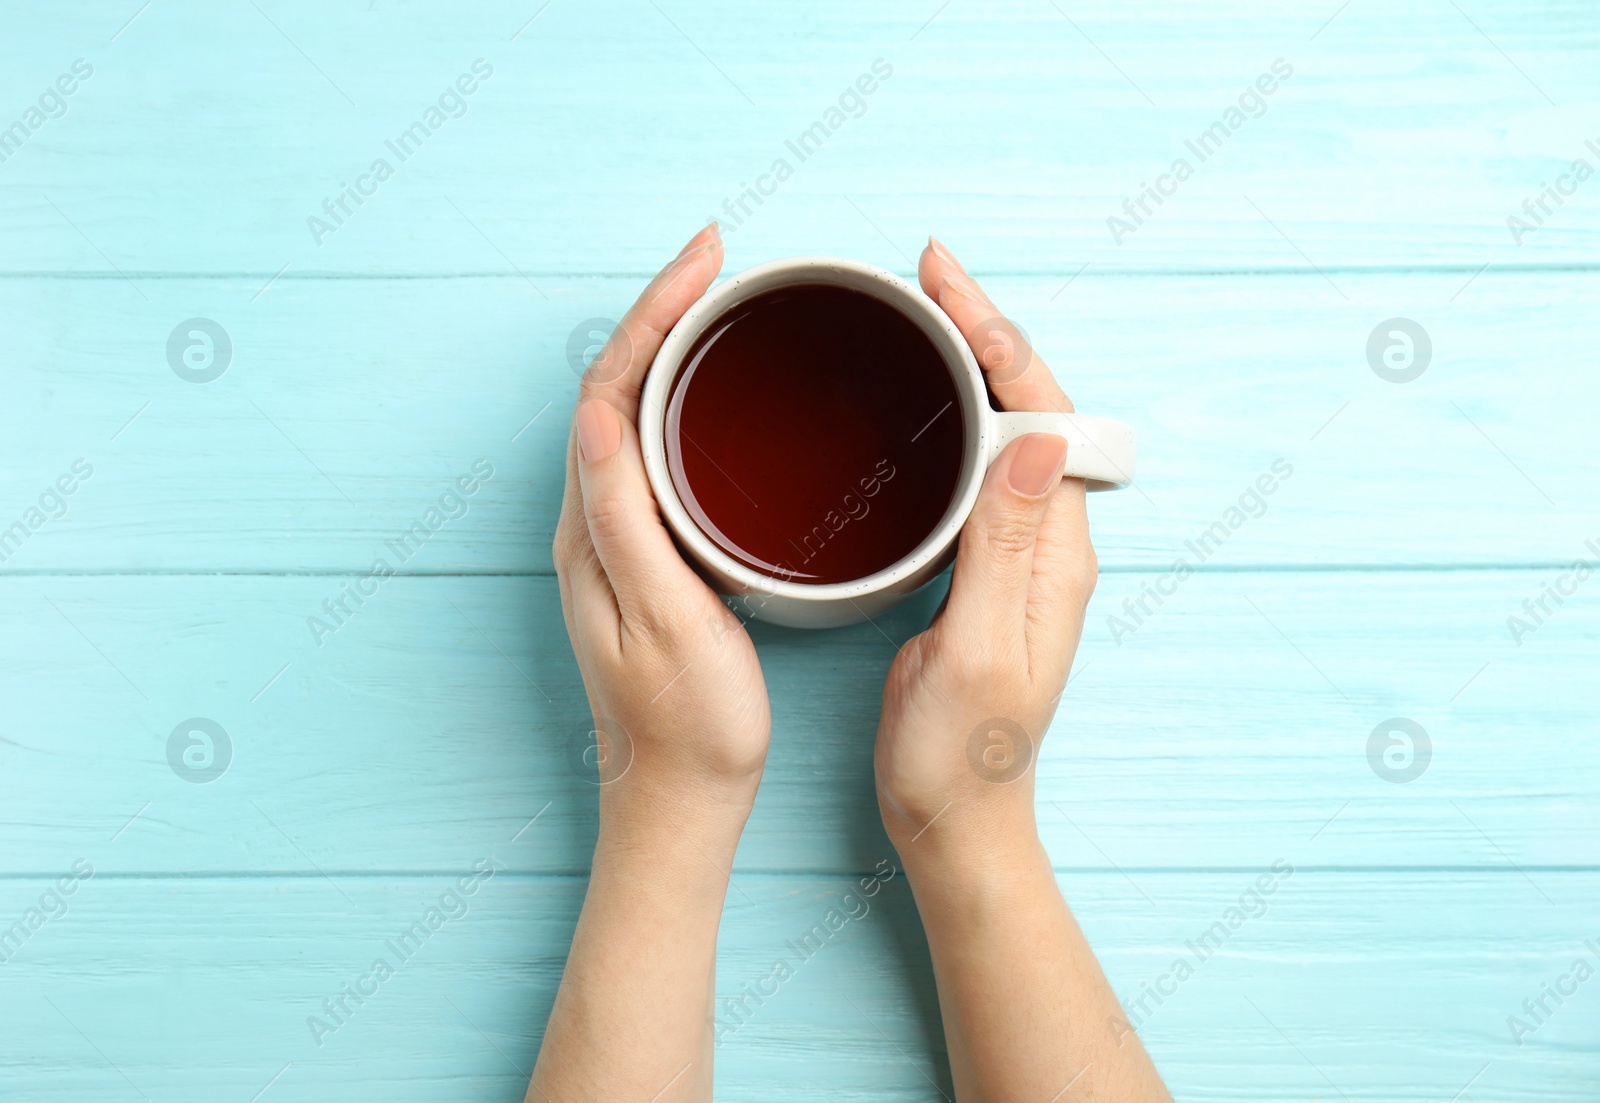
point(682, 717)
point(672, 678)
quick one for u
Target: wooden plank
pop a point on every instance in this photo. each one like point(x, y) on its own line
point(349, 406)
point(1229, 727)
point(1403, 137)
point(1217, 723)
point(181, 989)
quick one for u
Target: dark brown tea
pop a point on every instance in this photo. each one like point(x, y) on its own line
point(815, 434)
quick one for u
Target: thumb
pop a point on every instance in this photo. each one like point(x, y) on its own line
point(632, 544)
point(994, 563)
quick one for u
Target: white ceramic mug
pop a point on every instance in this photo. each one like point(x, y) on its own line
point(1099, 450)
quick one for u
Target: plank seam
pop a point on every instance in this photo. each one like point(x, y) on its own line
point(783, 874)
point(1105, 569)
point(996, 273)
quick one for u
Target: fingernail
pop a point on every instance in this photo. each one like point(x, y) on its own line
point(961, 287)
point(699, 235)
point(699, 238)
point(664, 278)
point(599, 430)
point(689, 256)
point(1037, 463)
point(941, 252)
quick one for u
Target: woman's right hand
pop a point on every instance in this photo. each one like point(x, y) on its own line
point(1026, 1008)
point(968, 701)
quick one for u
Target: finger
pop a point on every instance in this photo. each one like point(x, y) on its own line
point(994, 563)
point(1019, 378)
point(617, 373)
point(1064, 575)
point(1064, 560)
point(644, 568)
point(588, 604)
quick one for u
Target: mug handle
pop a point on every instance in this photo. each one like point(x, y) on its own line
point(1100, 450)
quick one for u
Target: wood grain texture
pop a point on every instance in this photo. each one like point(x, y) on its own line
point(1394, 987)
point(349, 406)
point(1230, 728)
point(1206, 735)
point(1405, 136)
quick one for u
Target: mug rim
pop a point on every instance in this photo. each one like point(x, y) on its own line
point(910, 301)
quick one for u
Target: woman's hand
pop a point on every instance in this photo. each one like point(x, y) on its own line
point(1027, 1011)
point(673, 681)
point(682, 719)
point(968, 700)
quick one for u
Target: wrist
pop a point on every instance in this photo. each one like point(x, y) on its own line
point(963, 824)
point(975, 881)
point(661, 823)
point(665, 870)
point(968, 843)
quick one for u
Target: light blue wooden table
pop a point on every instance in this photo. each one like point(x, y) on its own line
point(175, 930)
